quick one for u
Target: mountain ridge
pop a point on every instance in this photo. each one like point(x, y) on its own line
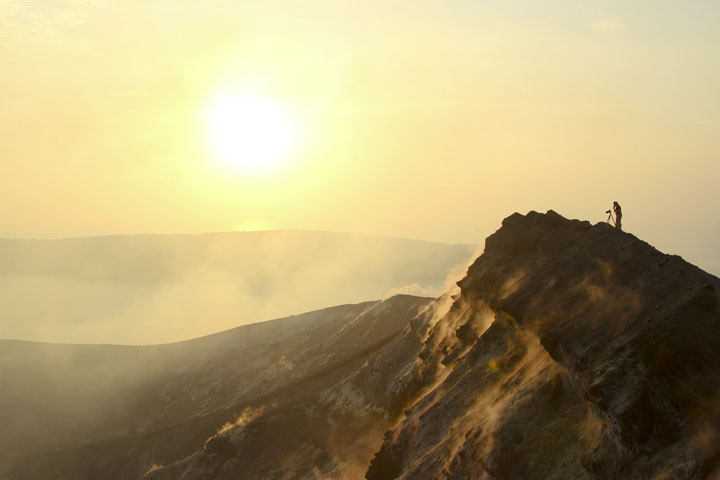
point(113, 378)
point(567, 351)
point(572, 351)
point(235, 232)
point(555, 359)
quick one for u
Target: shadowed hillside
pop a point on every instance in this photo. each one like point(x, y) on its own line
point(111, 412)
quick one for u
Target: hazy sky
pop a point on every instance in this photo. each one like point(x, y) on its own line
point(422, 119)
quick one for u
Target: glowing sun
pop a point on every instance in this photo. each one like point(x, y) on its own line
point(249, 133)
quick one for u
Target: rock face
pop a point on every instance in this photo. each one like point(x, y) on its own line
point(330, 428)
point(572, 352)
point(112, 412)
point(568, 351)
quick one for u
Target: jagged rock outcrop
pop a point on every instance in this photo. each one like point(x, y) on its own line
point(572, 352)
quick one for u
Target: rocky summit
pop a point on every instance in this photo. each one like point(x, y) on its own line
point(571, 352)
point(568, 351)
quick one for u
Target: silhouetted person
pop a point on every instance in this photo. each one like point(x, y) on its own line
point(618, 215)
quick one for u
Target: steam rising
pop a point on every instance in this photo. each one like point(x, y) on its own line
point(153, 289)
point(248, 415)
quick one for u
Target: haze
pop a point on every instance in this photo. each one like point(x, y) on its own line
point(141, 289)
point(242, 239)
point(429, 120)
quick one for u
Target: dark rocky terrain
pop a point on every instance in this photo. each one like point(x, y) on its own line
point(572, 352)
point(112, 412)
point(568, 351)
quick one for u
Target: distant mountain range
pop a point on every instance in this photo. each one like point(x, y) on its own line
point(144, 289)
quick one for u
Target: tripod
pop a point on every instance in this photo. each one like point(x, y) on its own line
point(610, 219)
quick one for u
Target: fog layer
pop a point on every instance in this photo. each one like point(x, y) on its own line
point(144, 289)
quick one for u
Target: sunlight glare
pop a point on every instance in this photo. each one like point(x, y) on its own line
point(249, 133)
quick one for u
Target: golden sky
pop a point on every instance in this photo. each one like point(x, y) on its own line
point(422, 119)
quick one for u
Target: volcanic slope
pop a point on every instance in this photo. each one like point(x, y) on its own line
point(112, 412)
point(571, 352)
point(568, 351)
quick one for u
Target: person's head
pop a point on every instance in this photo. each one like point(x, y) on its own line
point(615, 204)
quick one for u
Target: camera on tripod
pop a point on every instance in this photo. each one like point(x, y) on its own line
point(607, 211)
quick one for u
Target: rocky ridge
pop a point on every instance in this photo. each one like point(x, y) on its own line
point(571, 352)
point(568, 351)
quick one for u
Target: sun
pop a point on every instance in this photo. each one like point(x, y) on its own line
point(249, 133)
